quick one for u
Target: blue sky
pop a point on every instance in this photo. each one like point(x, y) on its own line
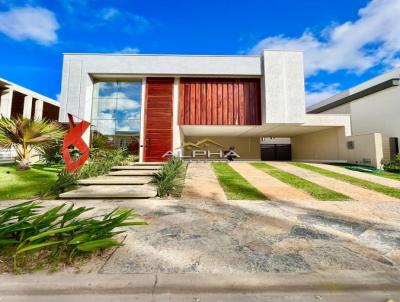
point(345, 41)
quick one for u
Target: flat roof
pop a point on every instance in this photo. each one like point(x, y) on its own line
point(26, 91)
point(379, 83)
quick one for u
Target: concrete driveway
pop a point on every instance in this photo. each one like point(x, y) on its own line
point(248, 236)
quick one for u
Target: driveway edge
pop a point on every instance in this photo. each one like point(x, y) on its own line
point(59, 283)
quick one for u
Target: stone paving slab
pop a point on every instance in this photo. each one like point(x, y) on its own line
point(228, 237)
point(112, 191)
point(354, 192)
point(193, 236)
point(268, 185)
point(132, 173)
point(362, 175)
point(202, 183)
point(112, 180)
point(159, 163)
point(137, 167)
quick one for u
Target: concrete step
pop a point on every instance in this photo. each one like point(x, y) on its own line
point(136, 167)
point(160, 163)
point(132, 173)
point(112, 180)
point(7, 160)
point(112, 192)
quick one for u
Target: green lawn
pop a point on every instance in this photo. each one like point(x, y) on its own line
point(309, 187)
point(382, 173)
point(391, 175)
point(353, 180)
point(26, 184)
point(234, 185)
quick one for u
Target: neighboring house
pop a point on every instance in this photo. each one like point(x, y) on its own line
point(16, 100)
point(374, 107)
point(166, 101)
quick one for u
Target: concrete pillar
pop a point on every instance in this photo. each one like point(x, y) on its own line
point(27, 106)
point(177, 136)
point(142, 109)
point(38, 110)
point(6, 102)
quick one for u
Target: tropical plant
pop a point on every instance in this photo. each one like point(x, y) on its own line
point(26, 228)
point(393, 165)
point(51, 153)
point(169, 179)
point(23, 135)
point(101, 162)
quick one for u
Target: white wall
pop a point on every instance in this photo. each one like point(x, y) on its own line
point(284, 87)
point(281, 71)
point(378, 112)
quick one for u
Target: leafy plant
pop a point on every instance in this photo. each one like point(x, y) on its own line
point(23, 135)
point(393, 165)
point(51, 153)
point(169, 178)
point(100, 163)
point(25, 228)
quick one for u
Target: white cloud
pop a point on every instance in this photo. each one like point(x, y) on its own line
point(319, 92)
point(373, 39)
point(128, 50)
point(109, 13)
point(33, 23)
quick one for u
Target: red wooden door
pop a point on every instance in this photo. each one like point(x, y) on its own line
point(158, 118)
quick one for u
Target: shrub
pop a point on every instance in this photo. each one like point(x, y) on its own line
point(24, 135)
point(393, 165)
point(51, 153)
point(100, 163)
point(23, 229)
point(169, 178)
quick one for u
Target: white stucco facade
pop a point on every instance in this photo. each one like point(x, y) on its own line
point(281, 74)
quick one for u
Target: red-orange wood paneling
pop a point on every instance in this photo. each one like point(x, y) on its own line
point(158, 118)
point(219, 101)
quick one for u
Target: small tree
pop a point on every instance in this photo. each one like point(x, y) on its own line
point(23, 135)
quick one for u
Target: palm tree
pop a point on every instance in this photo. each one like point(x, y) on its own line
point(23, 135)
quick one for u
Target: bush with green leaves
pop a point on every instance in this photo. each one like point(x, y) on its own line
point(393, 165)
point(169, 179)
point(101, 161)
point(26, 228)
point(50, 153)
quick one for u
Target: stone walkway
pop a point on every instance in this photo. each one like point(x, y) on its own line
point(131, 181)
point(362, 175)
point(354, 192)
point(202, 183)
point(268, 185)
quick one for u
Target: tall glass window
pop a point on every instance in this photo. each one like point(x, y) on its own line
point(116, 114)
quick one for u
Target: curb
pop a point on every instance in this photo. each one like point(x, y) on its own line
point(63, 284)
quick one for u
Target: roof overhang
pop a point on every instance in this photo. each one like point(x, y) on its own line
point(314, 123)
point(347, 96)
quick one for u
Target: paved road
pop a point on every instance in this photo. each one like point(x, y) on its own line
point(295, 297)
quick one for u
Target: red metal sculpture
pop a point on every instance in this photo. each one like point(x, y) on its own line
point(74, 139)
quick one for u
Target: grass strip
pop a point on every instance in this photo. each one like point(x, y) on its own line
point(234, 185)
point(393, 192)
point(382, 173)
point(391, 175)
point(315, 190)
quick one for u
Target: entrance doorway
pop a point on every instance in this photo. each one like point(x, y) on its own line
point(394, 147)
point(276, 149)
point(158, 119)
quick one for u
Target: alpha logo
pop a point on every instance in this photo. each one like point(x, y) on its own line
point(202, 149)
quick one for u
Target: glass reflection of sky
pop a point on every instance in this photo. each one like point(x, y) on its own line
point(120, 104)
